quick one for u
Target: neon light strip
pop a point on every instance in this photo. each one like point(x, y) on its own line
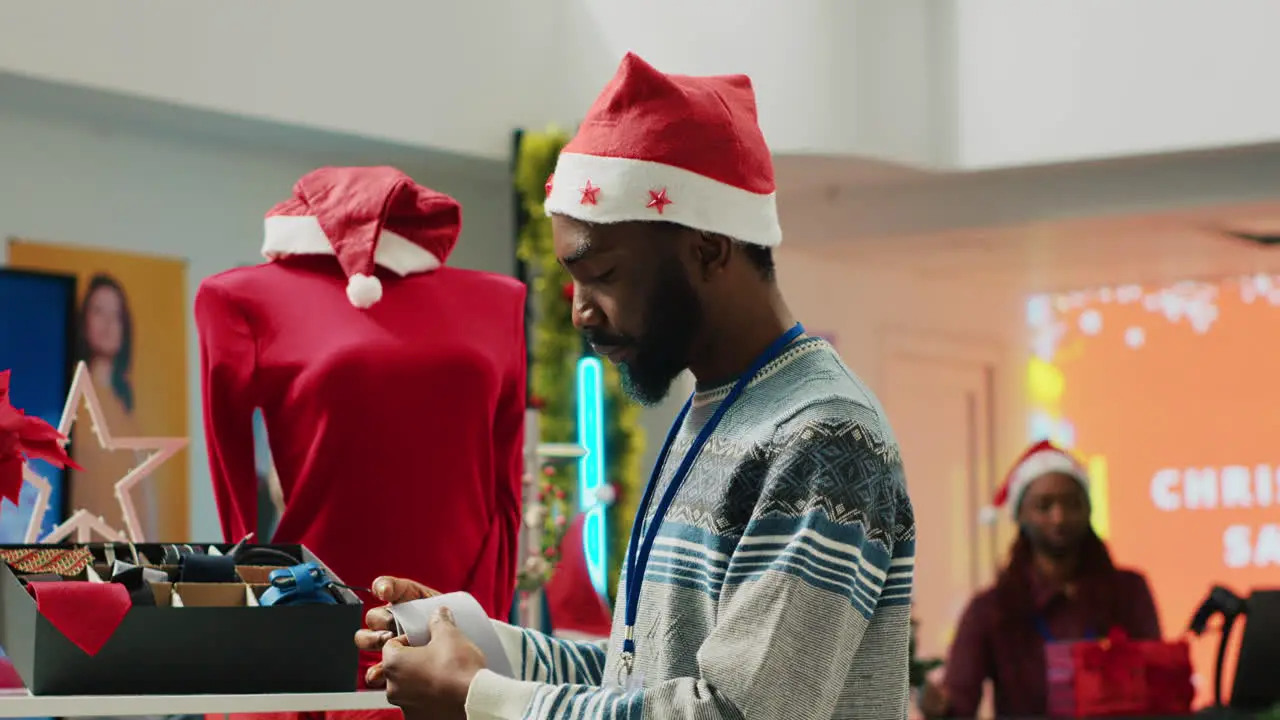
point(591, 467)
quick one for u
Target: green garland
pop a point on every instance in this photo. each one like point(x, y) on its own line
point(556, 347)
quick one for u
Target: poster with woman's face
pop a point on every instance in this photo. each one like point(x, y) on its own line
point(130, 331)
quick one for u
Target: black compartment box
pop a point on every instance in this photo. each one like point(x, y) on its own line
point(187, 650)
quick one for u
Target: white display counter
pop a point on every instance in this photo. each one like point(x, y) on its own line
point(22, 704)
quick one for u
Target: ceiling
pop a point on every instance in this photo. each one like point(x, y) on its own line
point(1076, 254)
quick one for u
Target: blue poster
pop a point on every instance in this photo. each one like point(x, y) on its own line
point(35, 344)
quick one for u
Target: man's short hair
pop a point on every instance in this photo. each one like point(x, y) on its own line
point(761, 257)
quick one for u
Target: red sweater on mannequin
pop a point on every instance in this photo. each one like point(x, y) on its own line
point(397, 428)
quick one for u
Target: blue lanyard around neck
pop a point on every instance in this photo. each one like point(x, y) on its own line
point(638, 548)
point(1042, 627)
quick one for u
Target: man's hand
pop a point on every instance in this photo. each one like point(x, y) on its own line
point(381, 624)
point(432, 681)
point(933, 696)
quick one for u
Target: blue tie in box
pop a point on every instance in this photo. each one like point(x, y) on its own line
point(156, 619)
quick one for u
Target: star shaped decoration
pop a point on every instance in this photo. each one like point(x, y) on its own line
point(658, 200)
point(154, 453)
point(549, 185)
point(589, 193)
point(81, 522)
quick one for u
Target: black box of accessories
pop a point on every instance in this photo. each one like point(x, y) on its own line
point(177, 634)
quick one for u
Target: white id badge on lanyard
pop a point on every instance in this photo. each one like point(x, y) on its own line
point(635, 682)
point(626, 681)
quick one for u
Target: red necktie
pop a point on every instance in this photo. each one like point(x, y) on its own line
point(87, 613)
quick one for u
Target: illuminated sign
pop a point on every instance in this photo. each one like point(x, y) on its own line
point(591, 468)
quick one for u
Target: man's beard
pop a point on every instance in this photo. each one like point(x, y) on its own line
point(672, 317)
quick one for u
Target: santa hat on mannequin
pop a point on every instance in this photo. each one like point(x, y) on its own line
point(1039, 460)
point(683, 149)
point(368, 217)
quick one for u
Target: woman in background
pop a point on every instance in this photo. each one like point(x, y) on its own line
point(104, 342)
point(1060, 585)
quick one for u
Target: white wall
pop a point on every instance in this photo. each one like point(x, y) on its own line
point(952, 84)
point(456, 76)
point(1062, 80)
point(66, 179)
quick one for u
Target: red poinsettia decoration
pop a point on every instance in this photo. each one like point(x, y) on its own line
point(25, 438)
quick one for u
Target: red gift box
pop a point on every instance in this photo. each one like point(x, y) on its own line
point(1118, 676)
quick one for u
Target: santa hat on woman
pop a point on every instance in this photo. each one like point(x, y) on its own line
point(683, 149)
point(368, 217)
point(1039, 460)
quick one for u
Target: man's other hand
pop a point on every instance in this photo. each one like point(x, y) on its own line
point(380, 623)
point(432, 681)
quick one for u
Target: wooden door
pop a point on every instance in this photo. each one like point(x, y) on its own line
point(939, 394)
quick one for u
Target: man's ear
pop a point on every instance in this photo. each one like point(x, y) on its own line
point(712, 253)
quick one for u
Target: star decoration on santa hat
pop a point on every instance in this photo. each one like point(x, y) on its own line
point(658, 200)
point(154, 452)
point(589, 193)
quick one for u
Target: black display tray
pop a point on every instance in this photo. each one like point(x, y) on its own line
point(186, 650)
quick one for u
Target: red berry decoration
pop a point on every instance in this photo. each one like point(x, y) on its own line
point(566, 292)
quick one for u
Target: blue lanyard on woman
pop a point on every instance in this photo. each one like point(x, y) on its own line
point(1042, 627)
point(638, 548)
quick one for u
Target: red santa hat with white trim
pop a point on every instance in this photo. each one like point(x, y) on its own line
point(368, 217)
point(679, 148)
point(1039, 460)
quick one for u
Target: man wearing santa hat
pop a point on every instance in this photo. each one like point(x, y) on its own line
point(770, 570)
point(1060, 584)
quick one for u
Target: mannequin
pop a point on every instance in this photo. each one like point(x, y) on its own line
point(395, 410)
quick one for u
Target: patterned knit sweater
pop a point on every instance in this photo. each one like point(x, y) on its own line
point(779, 585)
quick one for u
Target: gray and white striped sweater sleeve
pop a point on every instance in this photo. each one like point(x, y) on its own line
point(815, 597)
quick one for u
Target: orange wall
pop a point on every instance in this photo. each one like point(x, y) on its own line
point(1173, 393)
point(1186, 399)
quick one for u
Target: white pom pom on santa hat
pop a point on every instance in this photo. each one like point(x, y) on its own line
point(989, 514)
point(364, 290)
point(369, 218)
